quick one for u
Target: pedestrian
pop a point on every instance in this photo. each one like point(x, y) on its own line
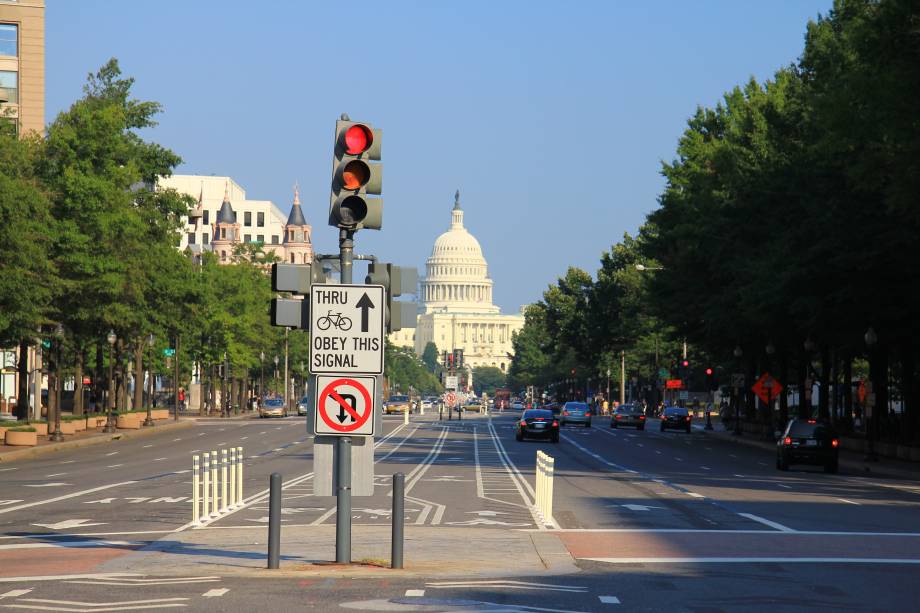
point(182, 398)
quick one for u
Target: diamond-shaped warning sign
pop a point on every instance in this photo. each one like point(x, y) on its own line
point(767, 388)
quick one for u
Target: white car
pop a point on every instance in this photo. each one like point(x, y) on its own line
point(517, 405)
point(427, 405)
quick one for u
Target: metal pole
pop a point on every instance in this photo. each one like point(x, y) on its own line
point(176, 382)
point(343, 501)
point(274, 521)
point(622, 377)
point(399, 520)
point(109, 422)
point(286, 375)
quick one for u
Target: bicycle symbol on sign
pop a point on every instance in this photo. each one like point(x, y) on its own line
point(336, 320)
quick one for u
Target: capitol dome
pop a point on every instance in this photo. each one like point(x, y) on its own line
point(457, 275)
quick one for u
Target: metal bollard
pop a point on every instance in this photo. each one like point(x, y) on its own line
point(196, 518)
point(214, 475)
point(223, 480)
point(274, 521)
point(206, 489)
point(239, 476)
point(231, 501)
point(399, 520)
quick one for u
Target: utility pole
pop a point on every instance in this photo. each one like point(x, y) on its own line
point(622, 377)
point(286, 397)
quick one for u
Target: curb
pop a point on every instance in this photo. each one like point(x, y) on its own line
point(19, 454)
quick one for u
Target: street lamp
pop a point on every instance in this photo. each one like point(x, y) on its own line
point(871, 339)
point(109, 422)
point(276, 371)
point(261, 376)
point(57, 436)
point(149, 420)
point(738, 353)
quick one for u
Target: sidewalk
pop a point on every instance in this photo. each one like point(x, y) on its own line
point(851, 460)
point(310, 550)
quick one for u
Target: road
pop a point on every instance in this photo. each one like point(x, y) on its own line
point(654, 521)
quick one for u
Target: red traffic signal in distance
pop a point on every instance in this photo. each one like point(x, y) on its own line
point(685, 363)
point(708, 372)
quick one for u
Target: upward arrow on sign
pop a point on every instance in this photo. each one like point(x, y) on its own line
point(364, 303)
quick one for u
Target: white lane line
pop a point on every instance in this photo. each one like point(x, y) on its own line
point(754, 560)
point(176, 440)
point(114, 465)
point(640, 444)
point(658, 452)
point(848, 501)
point(146, 446)
point(695, 495)
point(243, 438)
point(14, 593)
point(3, 470)
point(762, 463)
point(678, 459)
point(65, 577)
point(56, 484)
point(98, 606)
point(731, 455)
point(160, 459)
point(708, 448)
point(111, 454)
point(788, 487)
point(767, 522)
point(221, 444)
point(55, 475)
point(739, 476)
point(215, 592)
point(67, 462)
point(64, 497)
point(609, 599)
point(523, 485)
point(705, 468)
point(416, 593)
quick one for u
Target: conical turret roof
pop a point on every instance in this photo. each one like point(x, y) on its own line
point(226, 213)
point(296, 217)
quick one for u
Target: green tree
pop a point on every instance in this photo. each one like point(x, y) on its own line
point(486, 379)
point(430, 356)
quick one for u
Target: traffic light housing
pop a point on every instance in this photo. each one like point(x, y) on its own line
point(357, 144)
point(397, 280)
point(458, 358)
point(294, 279)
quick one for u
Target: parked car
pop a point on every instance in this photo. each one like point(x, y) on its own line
point(396, 404)
point(628, 415)
point(302, 406)
point(272, 407)
point(808, 441)
point(675, 418)
point(576, 413)
point(538, 423)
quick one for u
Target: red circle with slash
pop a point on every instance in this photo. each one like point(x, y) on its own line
point(358, 418)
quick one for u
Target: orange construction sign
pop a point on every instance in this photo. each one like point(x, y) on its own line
point(767, 388)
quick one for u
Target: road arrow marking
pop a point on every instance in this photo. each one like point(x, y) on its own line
point(94, 606)
point(636, 507)
point(487, 513)
point(14, 593)
point(364, 303)
point(69, 523)
point(215, 592)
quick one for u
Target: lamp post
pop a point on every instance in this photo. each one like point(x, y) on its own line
point(286, 375)
point(738, 353)
point(225, 392)
point(276, 371)
point(607, 398)
point(57, 436)
point(109, 422)
point(261, 376)
point(871, 339)
point(149, 420)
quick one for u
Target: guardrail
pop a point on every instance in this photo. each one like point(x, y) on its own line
point(217, 483)
point(544, 486)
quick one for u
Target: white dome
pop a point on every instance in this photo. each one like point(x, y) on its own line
point(457, 275)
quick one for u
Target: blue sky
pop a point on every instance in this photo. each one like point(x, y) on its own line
point(551, 118)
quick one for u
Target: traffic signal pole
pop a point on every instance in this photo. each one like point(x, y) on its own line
point(343, 461)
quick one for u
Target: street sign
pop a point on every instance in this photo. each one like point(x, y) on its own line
point(738, 380)
point(451, 381)
point(683, 395)
point(767, 388)
point(169, 352)
point(450, 399)
point(345, 406)
point(663, 373)
point(346, 329)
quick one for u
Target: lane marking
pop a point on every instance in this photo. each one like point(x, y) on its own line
point(849, 501)
point(703, 531)
point(14, 593)
point(111, 454)
point(415, 593)
point(767, 522)
point(215, 592)
point(754, 560)
point(146, 446)
point(523, 485)
point(114, 465)
point(46, 484)
point(695, 495)
point(609, 599)
point(55, 475)
point(705, 468)
point(731, 455)
point(100, 606)
point(788, 487)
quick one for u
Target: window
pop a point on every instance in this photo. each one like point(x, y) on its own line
point(292, 259)
point(223, 232)
point(9, 88)
point(260, 238)
point(205, 238)
point(260, 220)
point(191, 238)
point(247, 218)
point(8, 37)
point(206, 218)
point(247, 238)
point(223, 256)
point(274, 239)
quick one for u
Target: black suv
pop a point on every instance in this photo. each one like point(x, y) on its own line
point(808, 441)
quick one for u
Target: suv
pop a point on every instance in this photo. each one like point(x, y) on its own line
point(808, 441)
point(628, 415)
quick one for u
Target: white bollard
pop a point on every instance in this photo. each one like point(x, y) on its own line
point(232, 500)
point(406, 416)
point(206, 489)
point(239, 476)
point(538, 490)
point(550, 470)
point(195, 487)
point(223, 480)
point(214, 498)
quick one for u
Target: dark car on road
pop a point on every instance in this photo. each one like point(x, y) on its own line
point(675, 418)
point(628, 415)
point(576, 413)
point(538, 423)
point(808, 441)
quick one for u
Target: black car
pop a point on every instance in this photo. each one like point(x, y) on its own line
point(628, 415)
point(675, 418)
point(808, 441)
point(538, 423)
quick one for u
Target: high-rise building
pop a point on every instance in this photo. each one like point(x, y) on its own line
point(22, 64)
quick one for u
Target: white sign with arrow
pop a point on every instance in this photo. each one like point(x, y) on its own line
point(346, 329)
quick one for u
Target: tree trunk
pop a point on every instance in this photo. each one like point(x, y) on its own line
point(78, 382)
point(235, 393)
point(22, 394)
point(99, 376)
point(244, 393)
point(52, 390)
point(139, 374)
point(823, 399)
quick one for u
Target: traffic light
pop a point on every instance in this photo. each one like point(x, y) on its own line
point(711, 382)
point(296, 279)
point(450, 361)
point(444, 358)
point(458, 358)
point(397, 280)
point(354, 177)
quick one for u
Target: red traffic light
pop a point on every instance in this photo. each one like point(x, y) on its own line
point(708, 371)
point(685, 363)
point(358, 139)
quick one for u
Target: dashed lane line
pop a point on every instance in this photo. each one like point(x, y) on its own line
point(64, 497)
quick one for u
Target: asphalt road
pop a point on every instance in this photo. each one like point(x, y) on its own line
point(656, 521)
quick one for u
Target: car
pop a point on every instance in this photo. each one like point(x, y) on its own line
point(808, 441)
point(675, 418)
point(517, 404)
point(576, 413)
point(272, 407)
point(427, 404)
point(538, 423)
point(396, 404)
point(628, 415)
point(302, 406)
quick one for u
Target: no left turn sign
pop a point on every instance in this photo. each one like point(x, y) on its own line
point(345, 405)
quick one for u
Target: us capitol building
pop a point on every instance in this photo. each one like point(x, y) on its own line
point(455, 303)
